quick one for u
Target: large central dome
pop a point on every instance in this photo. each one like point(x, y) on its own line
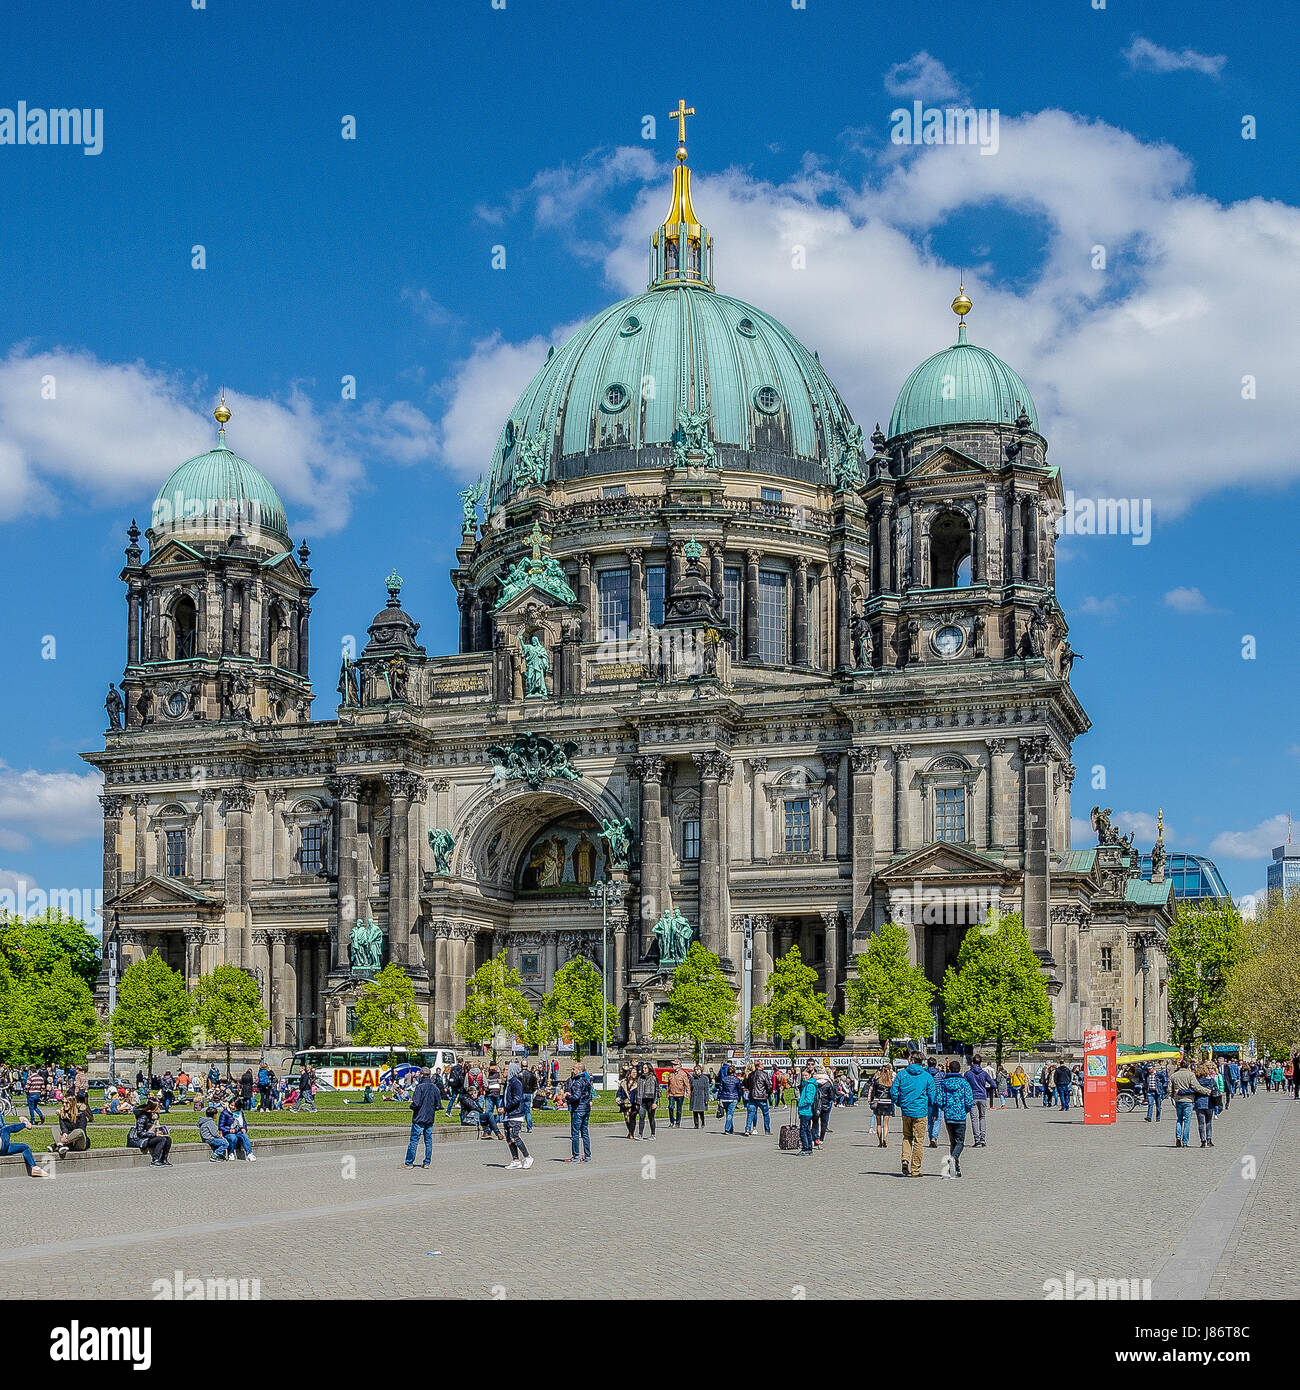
point(610, 398)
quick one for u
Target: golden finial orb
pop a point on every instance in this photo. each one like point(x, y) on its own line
point(961, 306)
point(221, 414)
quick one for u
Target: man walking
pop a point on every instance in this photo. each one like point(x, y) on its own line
point(1185, 1086)
point(1156, 1079)
point(979, 1081)
point(513, 1101)
point(678, 1086)
point(426, 1101)
point(955, 1100)
point(1062, 1078)
point(932, 1124)
point(760, 1090)
point(578, 1096)
point(306, 1087)
point(914, 1092)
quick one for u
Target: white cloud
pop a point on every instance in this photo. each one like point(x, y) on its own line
point(1132, 369)
point(922, 76)
point(1248, 904)
point(1082, 835)
point(1256, 843)
point(1188, 601)
point(1097, 607)
point(114, 431)
point(59, 807)
point(1144, 56)
point(1142, 826)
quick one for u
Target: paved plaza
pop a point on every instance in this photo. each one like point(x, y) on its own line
point(719, 1214)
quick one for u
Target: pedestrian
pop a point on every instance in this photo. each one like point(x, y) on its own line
point(1185, 1086)
point(1062, 1079)
point(513, 1101)
point(880, 1098)
point(760, 1090)
point(626, 1096)
point(1018, 1081)
point(807, 1107)
point(979, 1081)
point(11, 1146)
point(1155, 1085)
point(1002, 1086)
point(35, 1088)
point(455, 1080)
point(578, 1096)
point(699, 1096)
point(825, 1100)
point(528, 1078)
point(1048, 1085)
point(678, 1087)
point(956, 1099)
point(647, 1095)
point(425, 1102)
point(913, 1092)
point(306, 1087)
point(728, 1095)
point(932, 1121)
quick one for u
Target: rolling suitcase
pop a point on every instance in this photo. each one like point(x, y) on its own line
point(788, 1136)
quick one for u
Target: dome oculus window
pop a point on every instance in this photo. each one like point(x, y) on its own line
point(948, 641)
point(615, 398)
point(631, 325)
point(767, 399)
point(746, 328)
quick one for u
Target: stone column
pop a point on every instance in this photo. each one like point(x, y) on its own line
point(801, 611)
point(442, 1029)
point(831, 806)
point(193, 955)
point(133, 625)
point(902, 836)
point(650, 770)
point(401, 789)
point(843, 616)
point(322, 967)
point(239, 806)
point(752, 557)
point(618, 982)
point(460, 966)
point(762, 960)
point(227, 614)
point(209, 796)
point(1031, 553)
point(261, 963)
point(713, 923)
point(304, 653)
point(584, 593)
point(977, 570)
point(289, 989)
point(831, 928)
point(280, 992)
point(275, 799)
point(551, 957)
point(888, 540)
point(636, 589)
point(998, 793)
point(245, 616)
point(348, 793)
point(760, 829)
point(862, 765)
point(1035, 754)
point(140, 806)
point(113, 807)
point(295, 620)
point(1017, 537)
point(717, 579)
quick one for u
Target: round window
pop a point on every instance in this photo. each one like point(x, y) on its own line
point(948, 641)
point(746, 328)
point(631, 325)
point(177, 704)
point(616, 397)
point(510, 435)
point(767, 399)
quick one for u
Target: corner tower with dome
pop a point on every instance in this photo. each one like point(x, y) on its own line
point(763, 682)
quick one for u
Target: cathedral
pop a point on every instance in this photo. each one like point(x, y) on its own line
point(726, 673)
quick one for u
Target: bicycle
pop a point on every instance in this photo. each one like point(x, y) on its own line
point(7, 1106)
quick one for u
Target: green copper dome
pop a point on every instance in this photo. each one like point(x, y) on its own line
point(962, 385)
point(213, 494)
point(613, 397)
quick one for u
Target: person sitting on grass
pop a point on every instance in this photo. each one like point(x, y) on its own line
point(6, 1147)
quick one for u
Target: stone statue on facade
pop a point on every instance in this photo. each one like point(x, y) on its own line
point(237, 695)
point(470, 497)
point(846, 469)
point(113, 704)
point(536, 665)
point(441, 842)
point(673, 935)
point(691, 442)
point(1108, 834)
point(366, 947)
point(531, 462)
point(617, 835)
point(397, 676)
point(1158, 856)
point(344, 686)
point(863, 642)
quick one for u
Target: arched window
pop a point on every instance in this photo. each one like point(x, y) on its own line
point(1028, 542)
point(185, 626)
point(275, 632)
point(950, 546)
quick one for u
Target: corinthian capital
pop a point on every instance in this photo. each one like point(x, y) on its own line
point(713, 764)
point(648, 769)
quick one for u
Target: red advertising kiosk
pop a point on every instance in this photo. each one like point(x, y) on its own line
point(1100, 1077)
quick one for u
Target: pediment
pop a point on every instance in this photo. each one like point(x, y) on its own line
point(156, 892)
point(942, 859)
point(531, 598)
point(947, 462)
point(174, 552)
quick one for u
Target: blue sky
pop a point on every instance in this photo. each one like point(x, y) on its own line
point(522, 127)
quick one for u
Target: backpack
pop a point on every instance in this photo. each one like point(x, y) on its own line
point(456, 1077)
point(530, 1081)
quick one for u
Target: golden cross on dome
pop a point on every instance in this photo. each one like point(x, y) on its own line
point(680, 116)
point(538, 540)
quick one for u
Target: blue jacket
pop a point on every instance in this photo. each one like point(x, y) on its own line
point(914, 1091)
point(514, 1098)
point(579, 1089)
point(426, 1101)
point(728, 1083)
point(808, 1097)
point(979, 1082)
point(956, 1096)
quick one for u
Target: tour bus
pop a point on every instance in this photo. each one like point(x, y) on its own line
point(355, 1068)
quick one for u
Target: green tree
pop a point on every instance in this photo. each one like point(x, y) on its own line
point(387, 1014)
point(1263, 991)
point(35, 944)
point(793, 1002)
point(1205, 944)
point(228, 1008)
point(701, 1005)
point(494, 1002)
point(889, 994)
point(997, 992)
point(47, 1017)
point(153, 1009)
point(574, 1003)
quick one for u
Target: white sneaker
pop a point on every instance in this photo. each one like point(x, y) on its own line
point(514, 1163)
point(252, 1158)
point(528, 1162)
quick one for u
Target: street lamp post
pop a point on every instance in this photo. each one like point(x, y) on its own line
point(747, 977)
point(604, 893)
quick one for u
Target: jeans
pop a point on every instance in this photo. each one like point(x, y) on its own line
point(751, 1116)
point(24, 1152)
point(220, 1146)
point(516, 1145)
point(914, 1127)
point(1047, 1097)
point(1205, 1123)
point(416, 1131)
point(729, 1108)
point(978, 1111)
point(806, 1133)
point(1018, 1098)
point(1183, 1120)
point(675, 1104)
point(238, 1139)
point(697, 1119)
point(528, 1112)
point(932, 1124)
point(956, 1140)
point(34, 1108)
point(646, 1111)
point(305, 1098)
point(1154, 1102)
point(578, 1129)
point(166, 1101)
point(488, 1117)
point(1063, 1096)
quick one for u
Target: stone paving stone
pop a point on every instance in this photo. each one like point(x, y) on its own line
point(714, 1214)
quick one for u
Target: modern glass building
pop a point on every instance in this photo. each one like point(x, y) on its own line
point(1284, 871)
point(1192, 875)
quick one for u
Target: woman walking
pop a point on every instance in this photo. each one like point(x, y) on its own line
point(807, 1104)
point(627, 1101)
point(956, 1099)
point(699, 1096)
point(1207, 1105)
point(1018, 1083)
point(647, 1092)
point(882, 1103)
